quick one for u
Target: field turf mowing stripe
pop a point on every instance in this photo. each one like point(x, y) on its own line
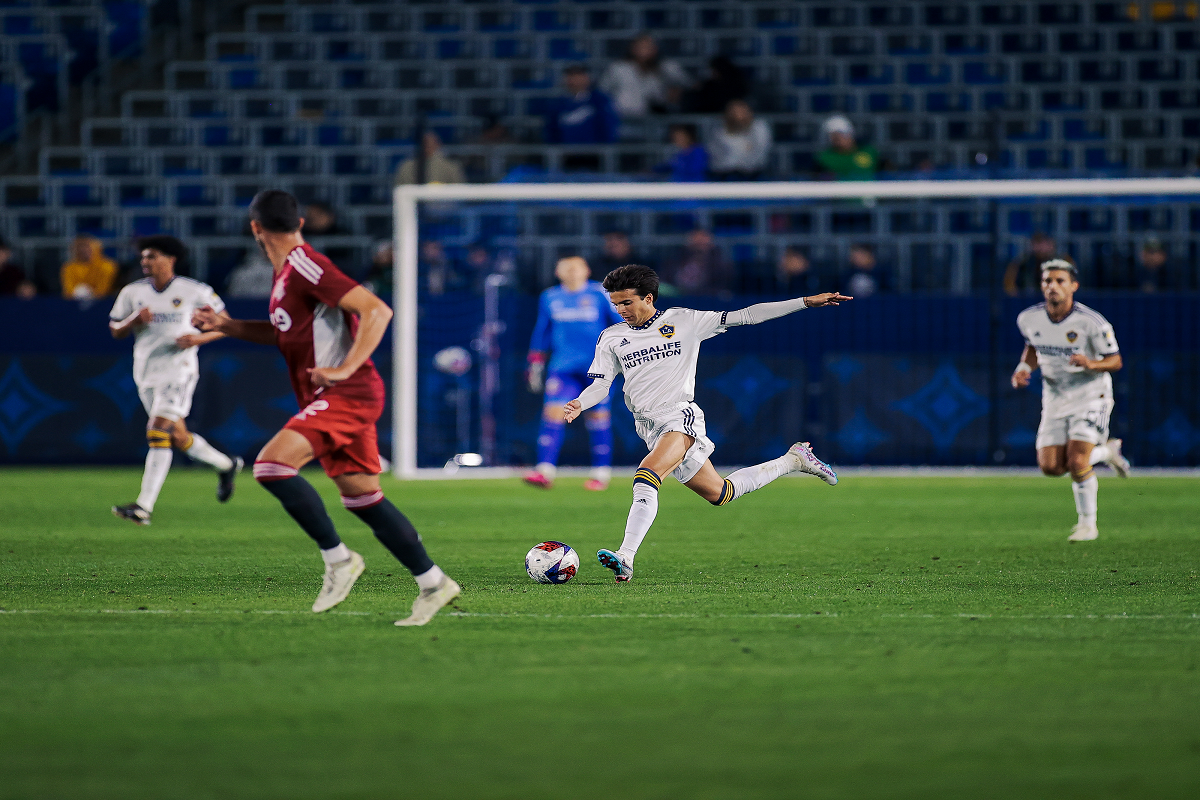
point(884, 638)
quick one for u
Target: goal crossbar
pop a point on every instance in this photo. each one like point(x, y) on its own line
point(407, 198)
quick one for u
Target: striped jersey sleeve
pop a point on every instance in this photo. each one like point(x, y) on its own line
point(328, 283)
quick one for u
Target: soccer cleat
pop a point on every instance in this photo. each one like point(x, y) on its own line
point(593, 485)
point(430, 601)
point(1083, 532)
point(339, 580)
point(538, 479)
point(1117, 462)
point(808, 462)
point(132, 512)
point(610, 560)
point(225, 479)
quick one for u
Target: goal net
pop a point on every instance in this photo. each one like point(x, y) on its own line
point(914, 371)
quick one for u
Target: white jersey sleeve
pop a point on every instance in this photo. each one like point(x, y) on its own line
point(209, 297)
point(707, 324)
point(605, 364)
point(123, 306)
point(1104, 341)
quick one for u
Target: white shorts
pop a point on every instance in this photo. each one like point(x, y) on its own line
point(1086, 422)
point(171, 401)
point(685, 418)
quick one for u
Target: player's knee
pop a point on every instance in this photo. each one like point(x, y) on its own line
point(267, 471)
point(158, 439)
point(598, 420)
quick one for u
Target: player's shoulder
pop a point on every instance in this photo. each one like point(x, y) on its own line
point(309, 263)
point(1031, 312)
point(619, 329)
point(1091, 315)
point(193, 285)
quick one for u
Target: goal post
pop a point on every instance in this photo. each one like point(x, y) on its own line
point(408, 199)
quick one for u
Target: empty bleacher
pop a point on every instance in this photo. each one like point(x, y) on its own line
point(324, 100)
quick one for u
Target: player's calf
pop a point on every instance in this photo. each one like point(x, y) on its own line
point(300, 500)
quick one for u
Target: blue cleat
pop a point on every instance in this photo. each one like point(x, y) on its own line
point(610, 560)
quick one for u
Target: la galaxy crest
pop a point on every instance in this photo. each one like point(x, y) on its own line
point(176, 301)
point(667, 331)
point(1072, 336)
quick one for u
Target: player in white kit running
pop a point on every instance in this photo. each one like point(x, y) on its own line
point(1076, 350)
point(656, 351)
point(157, 310)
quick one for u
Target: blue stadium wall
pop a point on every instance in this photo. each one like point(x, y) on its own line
point(886, 380)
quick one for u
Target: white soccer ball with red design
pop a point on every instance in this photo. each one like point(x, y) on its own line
point(552, 562)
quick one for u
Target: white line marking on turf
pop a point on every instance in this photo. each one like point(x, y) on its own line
point(518, 615)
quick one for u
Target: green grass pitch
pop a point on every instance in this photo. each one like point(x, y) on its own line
point(887, 638)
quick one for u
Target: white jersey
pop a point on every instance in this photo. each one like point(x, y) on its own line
point(156, 359)
point(1064, 385)
point(658, 358)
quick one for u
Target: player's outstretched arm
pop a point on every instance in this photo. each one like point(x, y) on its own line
point(761, 312)
point(257, 331)
point(1025, 367)
point(197, 339)
point(1111, 363)
point(589, 397)
point(121, 329)
point(373, 318)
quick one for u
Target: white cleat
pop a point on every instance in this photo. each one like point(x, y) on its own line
point(622, 568)
point(1117, 462)
point(430, 601)
point(807, 461)
point(339, 580)
point(1083, 533)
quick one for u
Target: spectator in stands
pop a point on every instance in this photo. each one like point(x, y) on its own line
point(617, 252)
point(584, 116)
point(88, 273)
point(643, 83)
point(689, 163)
point(438, 168)
point(13, 282)
point(253, 278)
point(1155, 273)
point(494, 131)
point(701, 268)
point(475, 267)
point(739, 148)
point(844, 159)
point(438, 272)
point(725, 82)
point(863, 279)
point(1023, 274)
point(794, 275)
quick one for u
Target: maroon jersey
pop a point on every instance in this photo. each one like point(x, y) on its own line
point(312, 331)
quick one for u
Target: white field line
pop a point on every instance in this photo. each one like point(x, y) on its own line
point(468, 614)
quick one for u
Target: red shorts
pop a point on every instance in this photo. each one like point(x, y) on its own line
point(342, 433)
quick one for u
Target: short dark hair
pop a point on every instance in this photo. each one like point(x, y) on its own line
point(167, 245)
point(642, 280)
point(276, 210)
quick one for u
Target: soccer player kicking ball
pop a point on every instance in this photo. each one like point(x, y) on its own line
point(570, 319)
point(656, 351)
point(1076, 350)
point(157, 310)
point(327, 326)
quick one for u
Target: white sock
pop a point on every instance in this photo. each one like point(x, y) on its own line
point(602, 474)
point(747, 480)
point(335, 555)
point(430, 578)
point(546, 470)
point(641, 516)
point(1100, 454)
point(201, 450)
point(1085, 499)
point(158, 464)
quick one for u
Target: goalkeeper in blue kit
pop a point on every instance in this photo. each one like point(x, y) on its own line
point(571, 317)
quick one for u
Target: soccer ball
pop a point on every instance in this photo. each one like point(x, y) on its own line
point(552, 562)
